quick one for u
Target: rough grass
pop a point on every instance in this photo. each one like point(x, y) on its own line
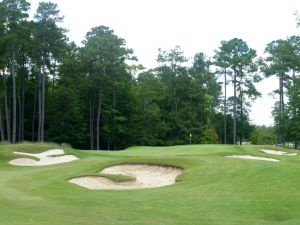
point(212, 190)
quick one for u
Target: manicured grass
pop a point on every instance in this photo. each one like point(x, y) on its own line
point(212, 190)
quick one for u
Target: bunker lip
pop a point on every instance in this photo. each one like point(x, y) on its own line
point(50, 157)
point(146, 176)
point(273, 152)
point(251, 157)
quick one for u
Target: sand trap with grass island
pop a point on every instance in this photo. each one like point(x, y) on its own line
point(146, 176)
point(273, 152)
point(50, 157)
point(252, 158)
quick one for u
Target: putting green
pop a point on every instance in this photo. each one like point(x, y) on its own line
point(211, 189)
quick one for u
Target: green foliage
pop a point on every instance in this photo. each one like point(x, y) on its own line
point(262, 135)
point(48, 12)
point(209, 136)
point(283, 61)
point(176, 100)
point(107, 81)
point(237, 61)
point(293, 111)
point(93, 97)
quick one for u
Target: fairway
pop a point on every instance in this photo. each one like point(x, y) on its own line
point(211, 190)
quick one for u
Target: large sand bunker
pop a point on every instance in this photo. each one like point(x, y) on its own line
point(277, 152)
point(252, 157)
point(147, 176)
point(50, 157)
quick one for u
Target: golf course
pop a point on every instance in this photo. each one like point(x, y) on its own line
point(149, 112)
point(210, 189)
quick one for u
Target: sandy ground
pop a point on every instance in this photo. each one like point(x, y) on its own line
point(49, 157)
point(277, 152)
point(147, 176)
point(252, 157)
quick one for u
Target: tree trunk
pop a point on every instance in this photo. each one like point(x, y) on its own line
point(280, 122)
point(114, 117)
point(279, 114)
point(33, 114)
point(144, 142)
point(53, 80)
point(14, 119)
point(6, 109)
point(22, 103)
point(43, 102)
point(40, 105)
point(1, 126)
point(108, 144)
point(225, 107)
point(241, 123)
point(19, 114)
point(234, 108)
point(174, 100)
point(91, 125)
point(283, 111)
point(98, 120)
point(52, 86)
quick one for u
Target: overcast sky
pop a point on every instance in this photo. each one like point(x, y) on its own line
point(195, 25)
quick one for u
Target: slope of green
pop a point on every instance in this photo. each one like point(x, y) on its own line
point(212, 189)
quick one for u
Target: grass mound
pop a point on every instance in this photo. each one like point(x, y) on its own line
point(213, 190)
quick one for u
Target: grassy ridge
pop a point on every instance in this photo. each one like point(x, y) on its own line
point(211, 190)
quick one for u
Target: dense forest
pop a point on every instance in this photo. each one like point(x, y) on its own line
point(97, 96)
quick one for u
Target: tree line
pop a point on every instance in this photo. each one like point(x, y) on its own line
point(98, 96)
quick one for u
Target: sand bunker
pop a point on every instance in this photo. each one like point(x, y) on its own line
point(252, 157)
point(50, 157)
point(277, 152)
point(147, 176)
